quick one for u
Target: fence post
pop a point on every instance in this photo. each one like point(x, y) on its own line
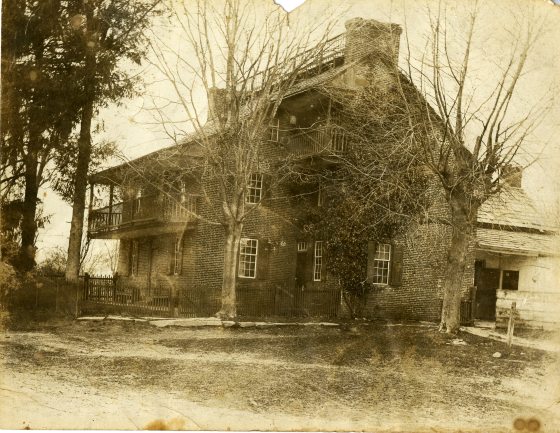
point(56, 297)
point(36, 295)
point(77, 305)
point(511, 324)
point(115, 279)
point(86, 286)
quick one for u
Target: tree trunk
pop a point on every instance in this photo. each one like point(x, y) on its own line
point(26, 260)
point(463, 228)
point(231, 253)
point(79, 199)
point(84, 155)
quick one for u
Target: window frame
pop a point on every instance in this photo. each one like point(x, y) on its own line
point(254, 192)
point(318, 261)
point(302, 246)
point(137, 202)
point(177, 256)
point(274, 127)
point(503, 277)
point(382, 265)
point(242, 263)
point(320, 195)
point(133, 258)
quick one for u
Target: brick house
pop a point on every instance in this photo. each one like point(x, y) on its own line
point(171, 250)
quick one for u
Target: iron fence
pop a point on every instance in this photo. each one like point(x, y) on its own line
point(284, 300)
point(109, 294)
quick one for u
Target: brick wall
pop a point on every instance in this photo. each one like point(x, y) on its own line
point(425, 245)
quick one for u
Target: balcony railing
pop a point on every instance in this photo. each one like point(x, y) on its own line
point(323, 140)
point(161, 208)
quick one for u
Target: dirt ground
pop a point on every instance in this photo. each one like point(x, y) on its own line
point(126, 375)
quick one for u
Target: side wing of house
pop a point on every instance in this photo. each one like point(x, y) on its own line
point(517, 261)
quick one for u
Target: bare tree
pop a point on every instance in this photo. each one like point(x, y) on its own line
point(468, 140)
point(244, 57)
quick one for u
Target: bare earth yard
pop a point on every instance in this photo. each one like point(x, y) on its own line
point(125, 375)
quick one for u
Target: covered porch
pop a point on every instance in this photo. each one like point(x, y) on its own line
point(521, 267)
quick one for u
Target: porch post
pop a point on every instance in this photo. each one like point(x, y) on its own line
point(90, 204)
point(111, 189)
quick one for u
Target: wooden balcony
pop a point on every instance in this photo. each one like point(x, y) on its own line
point(156, 213)
point(324, 140)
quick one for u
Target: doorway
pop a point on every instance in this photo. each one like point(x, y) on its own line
point(487, 281)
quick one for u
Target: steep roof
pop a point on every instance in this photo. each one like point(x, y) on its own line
point(185, 152)
point(513, 208)
point(187, 146)
point(510, 223)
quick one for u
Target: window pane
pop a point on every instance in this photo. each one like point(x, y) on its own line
point(248, 258)
point(317, 261)
point(254, 188)
point(381, 264)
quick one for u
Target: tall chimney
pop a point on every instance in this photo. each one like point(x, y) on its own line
point(217, 104)
point(512, 175)
point(371, 37)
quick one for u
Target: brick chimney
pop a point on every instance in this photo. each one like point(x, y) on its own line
point(365, 37)
point(217, 105)
point(512, 175)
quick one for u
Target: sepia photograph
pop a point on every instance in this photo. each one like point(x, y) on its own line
point(280, 215)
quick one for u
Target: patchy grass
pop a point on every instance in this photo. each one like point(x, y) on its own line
point(375, 373)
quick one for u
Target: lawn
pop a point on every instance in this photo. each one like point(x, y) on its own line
point(109, 374)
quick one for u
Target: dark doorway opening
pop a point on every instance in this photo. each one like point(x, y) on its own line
point(487, 281)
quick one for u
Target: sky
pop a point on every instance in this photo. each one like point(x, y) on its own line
point(129, 125)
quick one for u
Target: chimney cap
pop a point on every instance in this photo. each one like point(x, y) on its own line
point(358, 22)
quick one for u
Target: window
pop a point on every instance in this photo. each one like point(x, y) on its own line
point(274, 129)
point(254, 189)
point(317, 261)
point(136, 204)
point(133, 258)
point(320, 195)
point(177, 256)
point(381, 264)
point(510, 280)
point(301, 246)
point(248, 258)
point(182, 192)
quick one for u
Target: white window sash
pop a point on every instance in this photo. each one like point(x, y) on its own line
point(242, 265)
point(317, 260)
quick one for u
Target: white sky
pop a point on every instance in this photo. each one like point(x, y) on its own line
point(496, 34)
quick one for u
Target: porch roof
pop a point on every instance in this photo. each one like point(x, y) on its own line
point(517, 242)
point(184, 154)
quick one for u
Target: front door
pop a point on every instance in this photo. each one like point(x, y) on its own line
point(487, 282)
